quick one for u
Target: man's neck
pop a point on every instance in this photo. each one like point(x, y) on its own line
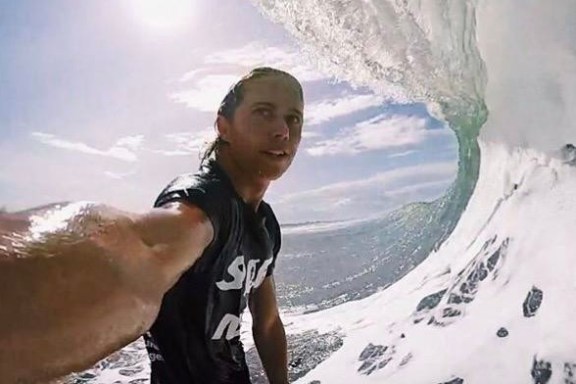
point(250, 188)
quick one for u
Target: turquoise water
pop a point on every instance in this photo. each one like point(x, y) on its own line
point(318, 270)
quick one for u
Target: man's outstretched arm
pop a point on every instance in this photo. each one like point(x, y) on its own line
point(71, 297)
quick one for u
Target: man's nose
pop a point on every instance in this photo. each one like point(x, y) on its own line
point(281, 129)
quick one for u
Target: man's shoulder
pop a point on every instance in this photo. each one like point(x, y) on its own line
point(272, 225)
point(203, 185)
point(200, 181)
point(268, 213)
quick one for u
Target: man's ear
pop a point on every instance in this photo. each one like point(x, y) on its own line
point(223, 126)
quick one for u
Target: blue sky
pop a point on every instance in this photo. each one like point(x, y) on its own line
point(108, 101)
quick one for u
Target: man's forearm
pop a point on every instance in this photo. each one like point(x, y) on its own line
point(65, 305)
point(85, 281)
point(272, 348)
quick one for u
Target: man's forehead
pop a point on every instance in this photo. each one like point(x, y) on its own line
point(273, 88)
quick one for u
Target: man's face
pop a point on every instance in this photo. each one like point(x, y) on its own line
point(266, 129)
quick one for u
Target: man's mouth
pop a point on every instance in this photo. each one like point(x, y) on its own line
point(278, 153)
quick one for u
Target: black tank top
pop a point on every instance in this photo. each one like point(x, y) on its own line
point(196, 337)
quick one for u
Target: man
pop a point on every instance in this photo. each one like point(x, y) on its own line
point(184, 271)
point(196, 338)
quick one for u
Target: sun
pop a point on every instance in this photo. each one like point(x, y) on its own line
point(163, 14)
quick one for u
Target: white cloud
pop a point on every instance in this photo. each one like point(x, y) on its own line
point(386, 182)
point(364, 197)
point(418, 187)
point(258, 54)
point(222, 69)
point(124, 149)
point(131, 142)
point(207, 94)
point(402, 154)
point(190, 75)
point(168, 152)
point(118, 175)
point(381, 132)
point(310, 134)
point(326, 110)
point(186, 143)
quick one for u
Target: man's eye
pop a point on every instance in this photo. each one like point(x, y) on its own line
point(264, 112)
point(296, 120)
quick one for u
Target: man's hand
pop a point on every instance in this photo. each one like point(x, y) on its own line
point(72, 294)
point(268, 332)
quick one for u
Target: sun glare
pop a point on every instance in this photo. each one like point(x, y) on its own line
point(163, 14)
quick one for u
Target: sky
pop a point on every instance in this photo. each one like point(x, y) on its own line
point(109, 101)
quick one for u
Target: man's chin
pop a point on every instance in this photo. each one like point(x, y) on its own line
point(272, 173)
point(272, 176)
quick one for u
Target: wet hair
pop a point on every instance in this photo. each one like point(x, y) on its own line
point(235, 96)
